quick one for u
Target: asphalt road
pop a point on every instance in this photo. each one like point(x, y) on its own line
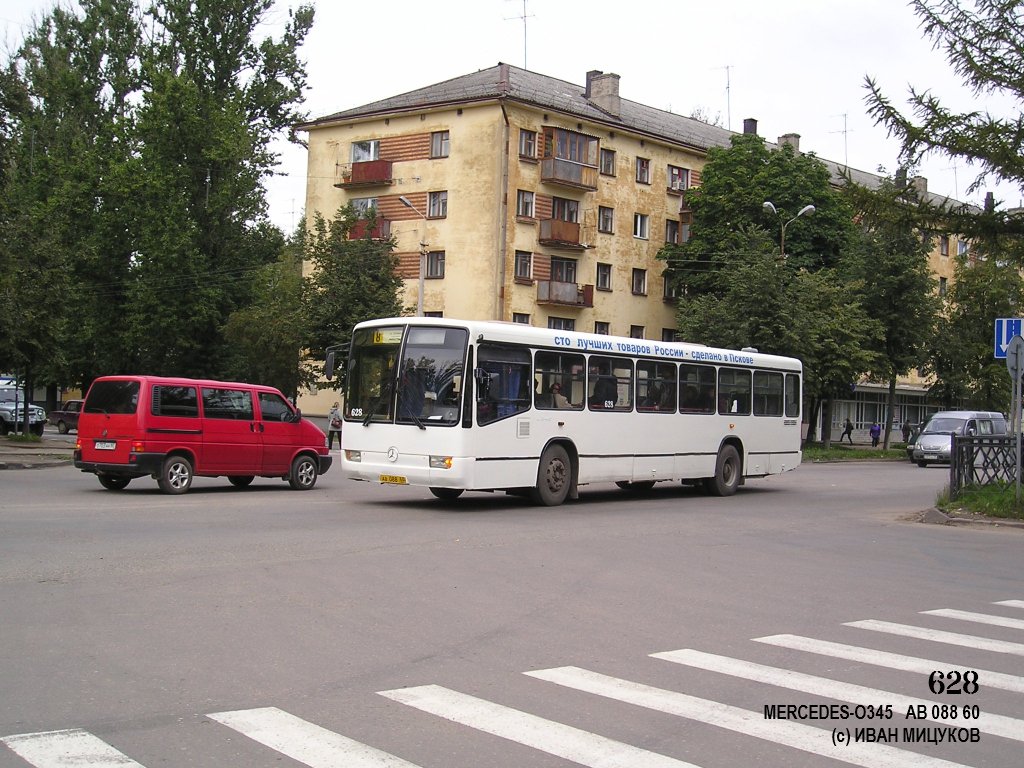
point(265, 626)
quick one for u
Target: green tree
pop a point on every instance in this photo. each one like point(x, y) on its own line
point(350, 281)
point(984, 44)
point(890, 264)
point(736, 285)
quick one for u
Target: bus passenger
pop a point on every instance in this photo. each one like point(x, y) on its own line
point(558, 400)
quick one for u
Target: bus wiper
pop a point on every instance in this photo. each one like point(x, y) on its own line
point(416, 420)
point(380, 398)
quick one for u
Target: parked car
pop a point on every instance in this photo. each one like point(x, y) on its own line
point(12, 412)
point(173, 429)
point(934, 444)
point(65, 418)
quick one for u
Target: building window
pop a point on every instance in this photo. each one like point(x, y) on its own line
point(433, 314)
point(562, 323)
point(437, 205)
point(670, 292)
point(365, 151)
point(605, 219)
point(640, 282)
point(944, 245)
point(602, 328)
point(604, 277)
point(668, 334)
point(563, 270)
point(565, 210)
point(362, 206)
point(435, 264)
point(524, 204)
point(942, 286)
point(571, 146)
point(636, 331)
point(962, 247)
point(520, 317)
point(524, 265)
point(672, 231)
point(608, 162)
point(678, 178)
point(527, 144)
point(643, 170)
point(641, 225)
point(439, 144)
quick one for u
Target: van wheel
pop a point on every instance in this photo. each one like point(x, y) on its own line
point(175, 475)
point(446, 494)
point(113, 482)
point(727, 473)
point(554, 476)
point(240, 481)
point(303, 474)
point(922, 464)
point(62, 427)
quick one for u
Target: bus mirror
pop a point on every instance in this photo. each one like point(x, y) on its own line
point(329, 366)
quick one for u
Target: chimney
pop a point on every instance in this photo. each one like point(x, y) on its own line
point(990, 202)
point(920, 185)
point(790, 140)
point(750, 126)
point(603, 91)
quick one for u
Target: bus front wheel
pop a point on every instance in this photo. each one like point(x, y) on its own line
point(727, 473)
point(446, 494)
point(554, 477)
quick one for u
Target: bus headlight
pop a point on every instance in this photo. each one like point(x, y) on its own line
point(440, 462)
point(354, 455)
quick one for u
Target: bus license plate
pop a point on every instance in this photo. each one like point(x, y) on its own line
point(105, 445)
point(394, 479)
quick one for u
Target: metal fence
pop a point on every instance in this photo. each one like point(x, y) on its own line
point(978, 460)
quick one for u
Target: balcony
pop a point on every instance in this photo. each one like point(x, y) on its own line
point(560, 234)
point(565, 294)
point(381, 230)
point(371, 173)
point(685, 211)
point(554, 170)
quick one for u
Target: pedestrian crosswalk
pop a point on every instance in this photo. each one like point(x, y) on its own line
point(314, 744)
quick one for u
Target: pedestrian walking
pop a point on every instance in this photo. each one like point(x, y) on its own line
point(847, 431)
point(875, 432)
point(334, 426)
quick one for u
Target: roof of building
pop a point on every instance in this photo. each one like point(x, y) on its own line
point(505, 81)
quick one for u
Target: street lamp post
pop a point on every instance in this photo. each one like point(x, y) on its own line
point(423, 255)
point(770, 206)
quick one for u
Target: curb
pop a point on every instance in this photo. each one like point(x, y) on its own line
point(935, 516)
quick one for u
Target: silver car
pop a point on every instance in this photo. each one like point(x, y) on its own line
point(934, 444)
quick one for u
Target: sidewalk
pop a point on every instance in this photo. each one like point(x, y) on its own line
point(48, 452)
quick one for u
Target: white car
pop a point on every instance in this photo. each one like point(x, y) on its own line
point(11, 420)
point(934, 444)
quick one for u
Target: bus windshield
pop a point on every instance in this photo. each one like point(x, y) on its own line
point(406, 375)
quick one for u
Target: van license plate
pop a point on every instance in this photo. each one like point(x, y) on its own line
point(394, 479)
point(930, 456)
point(105, 445)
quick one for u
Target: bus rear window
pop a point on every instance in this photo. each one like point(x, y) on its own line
point(113, 397)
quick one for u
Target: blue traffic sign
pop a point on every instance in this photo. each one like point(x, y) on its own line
point(1006, 329)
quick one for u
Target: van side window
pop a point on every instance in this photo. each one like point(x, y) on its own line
point(226, 403)
point(169, 400)
point(273, 407)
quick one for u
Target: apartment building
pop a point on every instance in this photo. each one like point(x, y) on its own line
point(520, 197)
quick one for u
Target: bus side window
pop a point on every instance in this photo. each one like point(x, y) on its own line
point(508, 372)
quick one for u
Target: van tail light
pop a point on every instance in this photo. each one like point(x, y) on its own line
point(78, 444)
point(138, 447)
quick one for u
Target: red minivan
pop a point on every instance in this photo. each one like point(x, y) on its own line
point(174, 429)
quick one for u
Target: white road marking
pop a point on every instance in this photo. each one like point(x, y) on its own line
point(1011, 603)
point(306, 742)
point(817, 741)
point(938, 636)
point(997, 725)
point(898, 661)
point(71, 748)
point(554, 738)
point(980, 618)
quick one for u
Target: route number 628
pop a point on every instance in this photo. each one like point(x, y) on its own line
point(953, 682)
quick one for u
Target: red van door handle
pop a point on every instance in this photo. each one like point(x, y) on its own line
point(254, 427)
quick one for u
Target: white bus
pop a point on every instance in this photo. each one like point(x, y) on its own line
point(459, 406)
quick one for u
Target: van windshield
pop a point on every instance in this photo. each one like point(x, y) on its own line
point(945, 425)
point(112, 397)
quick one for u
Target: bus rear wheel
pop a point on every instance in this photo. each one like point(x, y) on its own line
point(727, 473)
point(636, 486)
point(554, 477)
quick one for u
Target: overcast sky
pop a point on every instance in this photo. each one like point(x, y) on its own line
point(797, 66)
